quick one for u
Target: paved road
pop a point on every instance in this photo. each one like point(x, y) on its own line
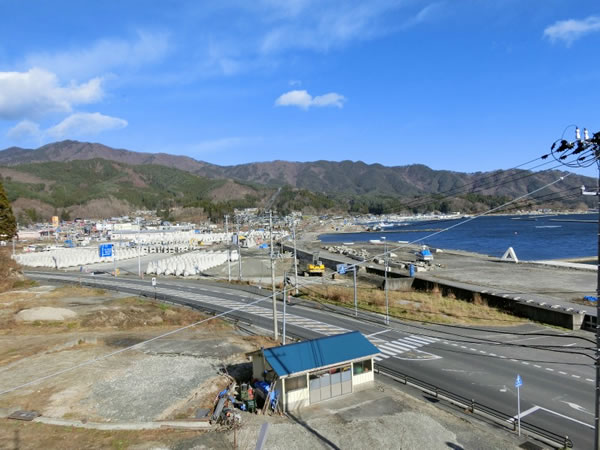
point(479, 364)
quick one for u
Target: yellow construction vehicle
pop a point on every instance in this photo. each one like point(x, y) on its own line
point(316, 267)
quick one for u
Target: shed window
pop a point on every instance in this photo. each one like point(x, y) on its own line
point(294, 383)
point(362, 366)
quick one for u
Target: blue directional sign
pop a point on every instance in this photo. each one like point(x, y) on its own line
point(106, 250)
point(518, 381)
point(341, 269)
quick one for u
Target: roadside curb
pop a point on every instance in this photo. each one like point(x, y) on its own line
point(187, 425)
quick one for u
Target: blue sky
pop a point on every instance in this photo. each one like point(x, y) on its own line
point(464, 85)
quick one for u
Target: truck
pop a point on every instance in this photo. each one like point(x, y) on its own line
point(424, 255)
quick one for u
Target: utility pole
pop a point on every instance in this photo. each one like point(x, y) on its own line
point(355, 296)
point(284, 302)
point(584, 153)
point(237, 224)
point(228, 248)
point(385, 280)
point(273, 276)
point(139, 256)
point(295, 259)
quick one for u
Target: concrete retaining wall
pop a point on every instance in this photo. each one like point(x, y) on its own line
point(562, 318)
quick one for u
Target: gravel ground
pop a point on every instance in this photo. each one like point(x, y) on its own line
point(143, 391)
point(381, 417)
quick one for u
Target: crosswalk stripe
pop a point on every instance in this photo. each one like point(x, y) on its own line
point(394, 349)
point(400, 347)
point(419, 340)
point(406, 345)
point(428, 338)
point(389, 352)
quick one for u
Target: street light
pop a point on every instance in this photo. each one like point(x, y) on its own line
point(585, 153)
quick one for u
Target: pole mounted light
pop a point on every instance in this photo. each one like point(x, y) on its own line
point(578, 154)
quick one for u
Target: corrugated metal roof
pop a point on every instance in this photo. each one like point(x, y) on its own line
point(325, 351)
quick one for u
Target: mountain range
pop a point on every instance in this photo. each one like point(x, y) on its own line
point(35, 178)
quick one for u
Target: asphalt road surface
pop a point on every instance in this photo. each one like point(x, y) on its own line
point(476, 363)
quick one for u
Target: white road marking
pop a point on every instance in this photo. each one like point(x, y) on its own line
point(527, 412)
point(575, 376)
point(426, 338)
point(568, 418)
point(396, 347)
point(535, 365)
point(525, 362)
point(417, 340)
point(406, 346)
point(562, 373)
point(589, 379)
point(379, 332)
point(577, 407)
point(386, 351)
point(549, 369)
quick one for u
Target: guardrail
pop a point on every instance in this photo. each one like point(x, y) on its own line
point(548, 437)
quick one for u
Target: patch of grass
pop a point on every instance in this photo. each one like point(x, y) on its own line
point(26, 283)
point(163, 307)
point(75, 291)
point(420, 306)
point(119, 444)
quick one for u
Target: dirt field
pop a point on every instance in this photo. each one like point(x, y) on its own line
point(166, 379)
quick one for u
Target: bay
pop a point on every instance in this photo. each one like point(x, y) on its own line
point(532, 237)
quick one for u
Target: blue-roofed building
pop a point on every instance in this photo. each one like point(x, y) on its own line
point(311, 371)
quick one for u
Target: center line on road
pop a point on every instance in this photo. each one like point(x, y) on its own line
point(535, 365)
point(562, 373)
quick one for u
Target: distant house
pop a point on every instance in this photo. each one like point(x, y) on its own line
point(312, 371)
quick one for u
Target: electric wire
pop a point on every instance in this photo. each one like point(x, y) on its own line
point(265, 298)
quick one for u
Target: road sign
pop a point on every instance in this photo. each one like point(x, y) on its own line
point(341, 269)
point(518, 384)
point(106, 250)
point(154, 281)
point(518, 381)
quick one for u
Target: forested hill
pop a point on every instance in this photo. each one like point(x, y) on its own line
point(324, 185)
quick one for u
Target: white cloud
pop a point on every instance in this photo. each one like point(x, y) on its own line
point(304, 100)
point(37, 92)
point(571, 30)
point(103, 56)
point(331, 24)
point(85, 124)
point(25, 129)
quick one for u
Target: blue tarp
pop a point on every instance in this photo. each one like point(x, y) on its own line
point(326, 351)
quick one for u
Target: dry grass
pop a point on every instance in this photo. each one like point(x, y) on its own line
point(427, 307)
point(32, 435)
point(10, 271)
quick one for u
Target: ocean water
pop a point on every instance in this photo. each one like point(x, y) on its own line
point(532, 237)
